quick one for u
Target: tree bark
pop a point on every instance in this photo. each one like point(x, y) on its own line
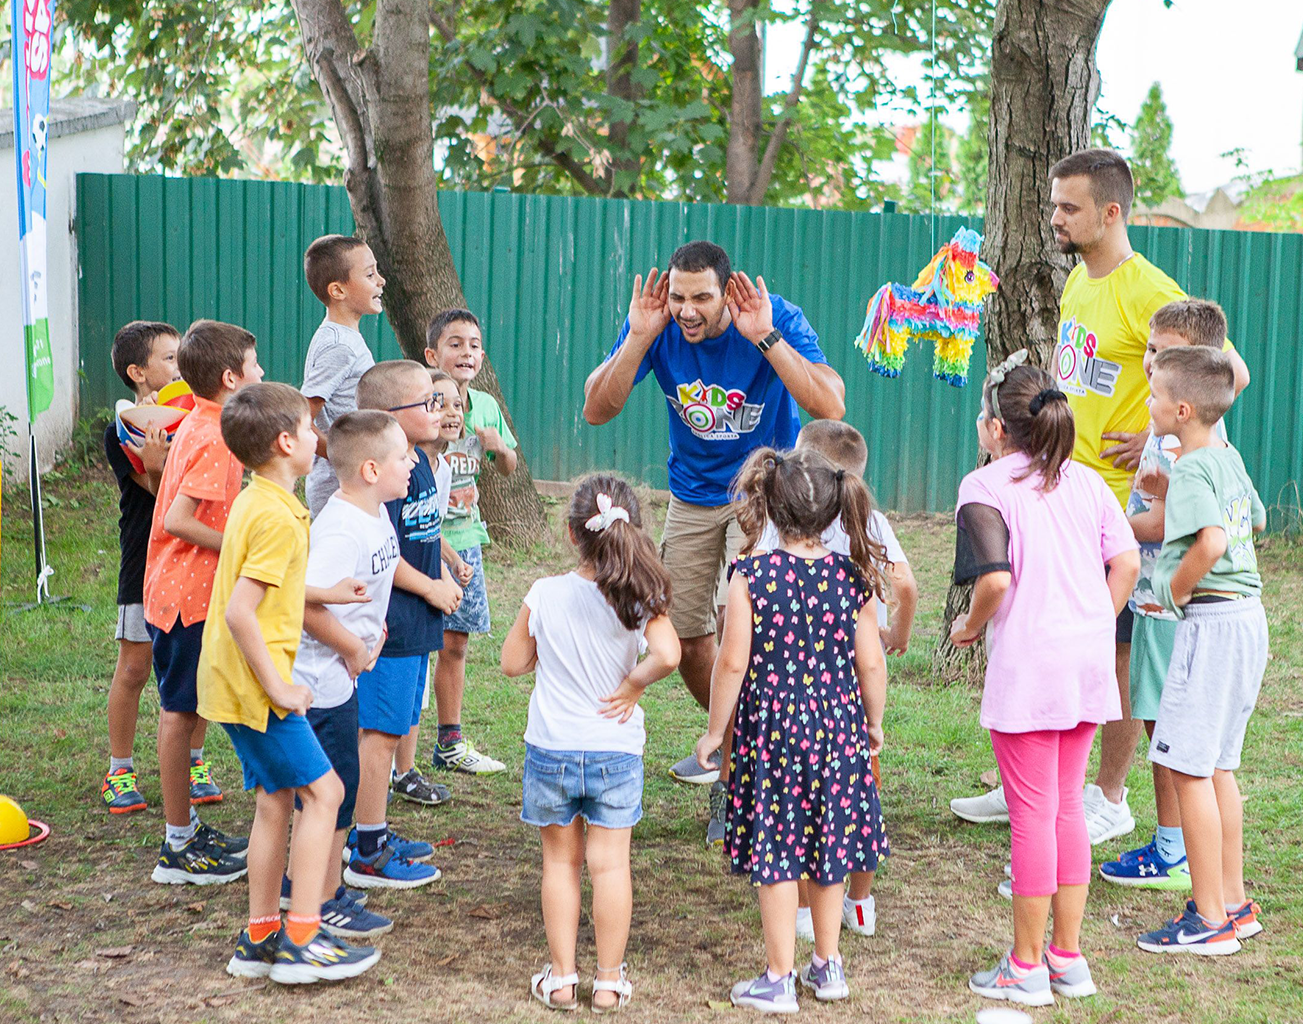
point(380, 99)
point(742, 156)
point(621, 60)
point(1044, 83)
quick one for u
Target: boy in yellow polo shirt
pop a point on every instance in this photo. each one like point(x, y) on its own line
point(250, 639)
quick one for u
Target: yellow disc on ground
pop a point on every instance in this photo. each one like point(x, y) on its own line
point(13, 822)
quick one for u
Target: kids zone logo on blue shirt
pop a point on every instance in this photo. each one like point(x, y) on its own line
point(725, 400)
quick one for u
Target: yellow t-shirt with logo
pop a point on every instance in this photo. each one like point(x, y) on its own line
point(266, 539)
point(1099, 357)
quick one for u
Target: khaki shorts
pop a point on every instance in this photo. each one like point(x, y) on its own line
point(698, 545)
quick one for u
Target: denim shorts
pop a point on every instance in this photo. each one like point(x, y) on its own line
point(472, 615)
point(287, 756)
point(389, 696)
point(605, 787)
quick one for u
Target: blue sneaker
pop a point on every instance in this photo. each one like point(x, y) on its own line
point(388, 870)
point(1190, 933)
point(828, 981)
point(1246, 920)
point(408, 849)
point(765, 995)
point(344, 919)
point(356, 895)
point(254, 959)
point(322, 958)
point(1145, 868)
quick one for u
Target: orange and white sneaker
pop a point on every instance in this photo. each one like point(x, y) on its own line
point(1245, 918)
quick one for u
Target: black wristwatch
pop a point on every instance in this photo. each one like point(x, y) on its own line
point(769, 340)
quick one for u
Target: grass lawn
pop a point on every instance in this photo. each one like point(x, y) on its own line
point(85, 935)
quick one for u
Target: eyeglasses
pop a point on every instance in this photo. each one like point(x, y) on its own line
point(435, 401)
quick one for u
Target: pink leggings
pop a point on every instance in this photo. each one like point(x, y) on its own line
point(1043, 773)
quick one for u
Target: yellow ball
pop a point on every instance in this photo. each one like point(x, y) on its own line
point(13, 822)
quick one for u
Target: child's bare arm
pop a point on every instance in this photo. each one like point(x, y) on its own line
point(988, 593)
point(871, 671)
point(457, 565)
point(1123, 571)
point(441, 593)
point(1209, 545)
point(242, 620)
point(1148, 525)
point(519, 651)
point(321, 623)
point(730, 667)
point(662, 659)
point(315, 405)
point(504, 458)
point(346, 591)
point(180, 522)
point(901, 608)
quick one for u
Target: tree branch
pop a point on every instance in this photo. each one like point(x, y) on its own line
point(776, 139)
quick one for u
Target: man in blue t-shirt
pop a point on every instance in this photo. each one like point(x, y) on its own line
point(734, 363)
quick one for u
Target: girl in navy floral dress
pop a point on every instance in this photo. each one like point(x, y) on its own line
point(809, 686)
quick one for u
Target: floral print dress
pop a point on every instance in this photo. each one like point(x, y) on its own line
point(804, 804)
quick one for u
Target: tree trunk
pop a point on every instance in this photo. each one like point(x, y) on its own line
point(381, 103)
point(621, 60)
point(1043, 87)
point(741, 160)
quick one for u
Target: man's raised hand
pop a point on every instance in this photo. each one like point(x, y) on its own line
point(749, 306)
point(649, 308)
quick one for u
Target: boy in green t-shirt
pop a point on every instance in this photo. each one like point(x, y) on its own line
point(455, 345)
point(1207, 573)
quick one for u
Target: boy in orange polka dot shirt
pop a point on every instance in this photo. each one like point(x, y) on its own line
point(200, 480)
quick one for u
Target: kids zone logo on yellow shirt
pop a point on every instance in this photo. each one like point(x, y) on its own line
point(1079, 369)
point(715, 413)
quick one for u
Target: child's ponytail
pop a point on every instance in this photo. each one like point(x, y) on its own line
point(869, 556)
point(606, 524)
point(1036, 418)
point(751, 492)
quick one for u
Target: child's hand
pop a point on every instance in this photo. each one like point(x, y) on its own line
point(706, 748)
point(622, 702)
point(375, 651)
point(358, 659)
point(445, 595)
point(294, 698)
point(149, 399)
point(890, 644)
point(346, 591)
point(876, 739)
point(491, 439)
point(153, 453)
point(1153, 480)
point(960, 633)
point(464, 571)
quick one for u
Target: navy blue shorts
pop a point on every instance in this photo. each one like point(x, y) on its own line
point(389, 696)
point(176, 665)
point(336, 730)
point(1125, 626)
point(288, 755)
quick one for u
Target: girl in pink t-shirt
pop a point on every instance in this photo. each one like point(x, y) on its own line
point(1036, 532)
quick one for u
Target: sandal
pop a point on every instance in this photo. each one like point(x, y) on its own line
point(544, 983)
point(622, 987)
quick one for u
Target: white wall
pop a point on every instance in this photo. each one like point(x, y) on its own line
point(98, 150)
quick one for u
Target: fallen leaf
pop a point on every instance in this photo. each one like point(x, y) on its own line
point(60, 905)
point(1116, 922)
point(990, 779)
point(718, 1004)
point(115, 952)
point(485, 913)
point(108, 897)
point(29, 865)
point(195, 908)
point(446, 960)
point(28, 905)
point(220, 1000)
point(131, 1000)
point(60, 734)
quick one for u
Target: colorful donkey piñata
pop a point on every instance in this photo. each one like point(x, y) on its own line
point(945, 304)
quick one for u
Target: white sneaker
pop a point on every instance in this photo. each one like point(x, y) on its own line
point(1106, 820)
point(804, 924)
point(989, 807)
point(1008, 871)
point(860, 916)
point(462, 757)
point(1005, 888)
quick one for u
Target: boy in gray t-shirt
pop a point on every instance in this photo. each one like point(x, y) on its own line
point(342, 273)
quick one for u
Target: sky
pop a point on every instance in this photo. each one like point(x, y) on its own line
point(1227, 70)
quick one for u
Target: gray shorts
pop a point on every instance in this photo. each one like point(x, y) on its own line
point(131, 624)
point(1211, 688)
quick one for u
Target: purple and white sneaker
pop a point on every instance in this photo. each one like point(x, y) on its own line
point(828, 981)
point(765, 995)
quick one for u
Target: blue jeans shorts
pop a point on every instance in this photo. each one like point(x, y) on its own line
point(389, 696)
point(560, 785)
point(336, 730)
point(288, 755)
point(472, 615)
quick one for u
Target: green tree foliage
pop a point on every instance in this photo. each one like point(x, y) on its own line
point(931, 185)
point(1151, 158)
point(519, 92)
point(972, 155)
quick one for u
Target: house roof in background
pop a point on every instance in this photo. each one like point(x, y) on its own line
point(72, 116)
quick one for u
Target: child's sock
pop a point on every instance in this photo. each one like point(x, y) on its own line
point(196, 753)
point(1170, 842)
point(772, 976)
point(194, 817)
point(300, 928)
point(819, 962)
point(1059, 958)
point(370, 838)
point(129, 763)
point(1019, 968)
point(179, 835)
point(449, 734)
point(261, 927)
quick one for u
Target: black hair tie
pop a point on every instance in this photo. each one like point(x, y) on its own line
point(841, 475)
point(778, 459)
point(1043, 398)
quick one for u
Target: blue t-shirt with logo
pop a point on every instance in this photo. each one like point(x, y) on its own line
point(725, 400)
point(416, 626)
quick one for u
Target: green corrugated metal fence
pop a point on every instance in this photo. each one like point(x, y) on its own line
point(550, 278)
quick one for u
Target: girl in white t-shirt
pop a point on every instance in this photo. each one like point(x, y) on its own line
point(581, 635)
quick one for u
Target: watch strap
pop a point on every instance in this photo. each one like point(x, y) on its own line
point(769, 340)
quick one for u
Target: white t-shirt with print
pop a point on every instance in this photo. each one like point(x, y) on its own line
point(584, 654)
point(836, 539)
point(346, 541)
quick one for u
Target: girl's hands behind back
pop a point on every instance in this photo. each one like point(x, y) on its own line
point(623, 701)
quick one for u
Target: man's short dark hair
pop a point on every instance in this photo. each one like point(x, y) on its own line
point(255, 416)
point(208, 350)
point(326, 262)
point(698, 256)
point(1109, 174)
point(134, 344)
point(441, 321)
